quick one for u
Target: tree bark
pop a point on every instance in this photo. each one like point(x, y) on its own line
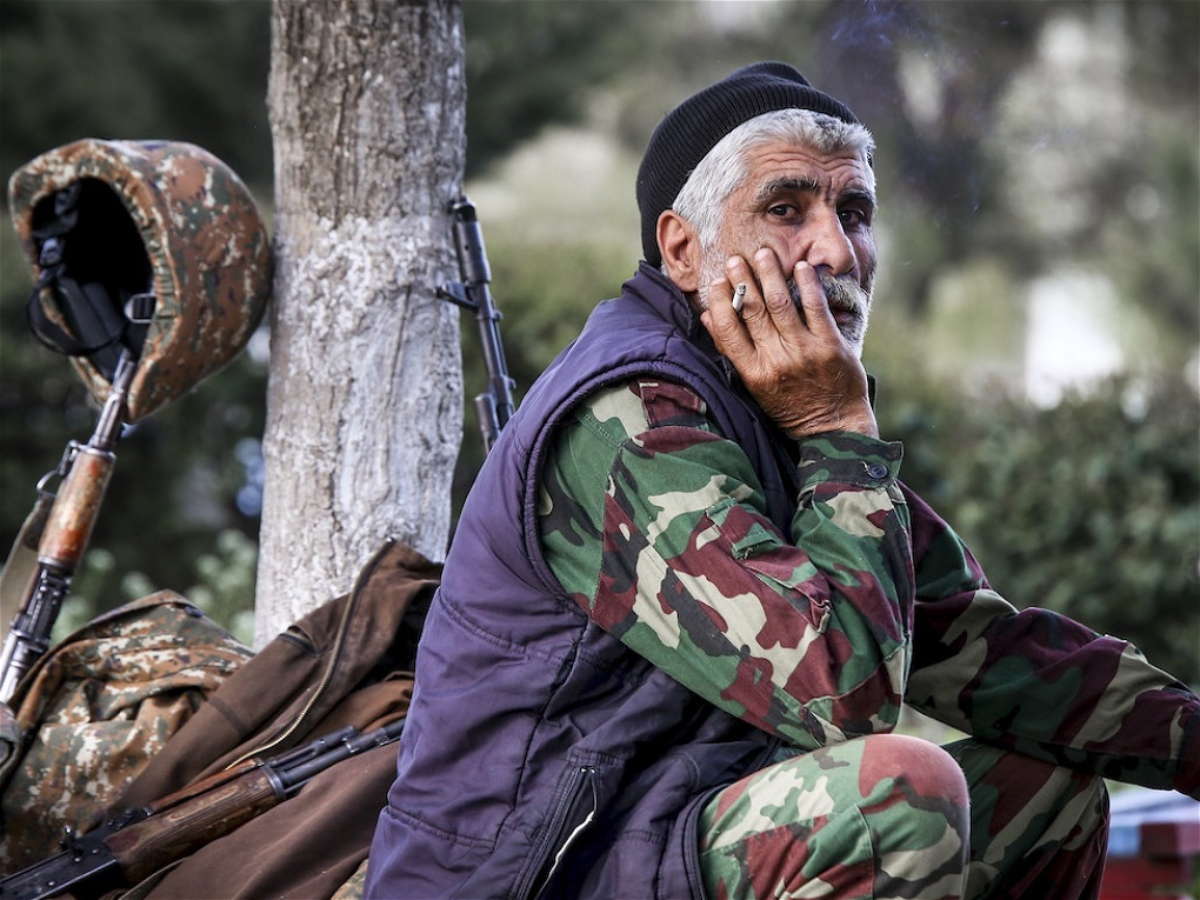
point(364, 404)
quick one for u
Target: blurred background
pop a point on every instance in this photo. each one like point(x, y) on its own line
point(1037, 327)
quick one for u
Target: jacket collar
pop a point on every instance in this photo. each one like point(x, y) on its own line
point(659, 292)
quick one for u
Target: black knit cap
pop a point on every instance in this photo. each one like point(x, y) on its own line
point(695, 126)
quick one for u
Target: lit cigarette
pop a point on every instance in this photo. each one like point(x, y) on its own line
point(739, 297)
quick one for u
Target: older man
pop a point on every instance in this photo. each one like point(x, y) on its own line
point(688, 594)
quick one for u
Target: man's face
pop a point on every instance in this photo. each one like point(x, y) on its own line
point(805, 206)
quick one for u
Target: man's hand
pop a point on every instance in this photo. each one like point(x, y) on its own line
point(795, 363)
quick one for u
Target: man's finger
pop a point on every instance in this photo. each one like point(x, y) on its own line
point(814, 305)
point(721, 320)
point(776, 295)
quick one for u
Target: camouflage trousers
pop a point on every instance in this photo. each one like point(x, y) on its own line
point(890, 816)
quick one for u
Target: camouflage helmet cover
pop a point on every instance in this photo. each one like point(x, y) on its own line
point(208, 251)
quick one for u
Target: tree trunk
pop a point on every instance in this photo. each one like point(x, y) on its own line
point(364, 404)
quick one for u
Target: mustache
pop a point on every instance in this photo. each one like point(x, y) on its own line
point(843, 294)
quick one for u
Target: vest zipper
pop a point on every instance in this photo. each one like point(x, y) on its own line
point(580, 793)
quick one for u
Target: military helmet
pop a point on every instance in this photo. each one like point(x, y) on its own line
point(155, 247)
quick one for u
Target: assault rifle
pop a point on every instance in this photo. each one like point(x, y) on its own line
point(138, 842)
point(494, 407)
point(85, 470)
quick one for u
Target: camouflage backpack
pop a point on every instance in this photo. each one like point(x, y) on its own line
point(348, 663)
point(92, 713)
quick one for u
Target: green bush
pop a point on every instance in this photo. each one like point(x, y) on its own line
point(1091, 508)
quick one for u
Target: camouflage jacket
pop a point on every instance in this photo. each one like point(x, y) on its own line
point(656, 525)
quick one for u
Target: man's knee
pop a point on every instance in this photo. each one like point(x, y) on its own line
point(878, 816)
point(917, 768)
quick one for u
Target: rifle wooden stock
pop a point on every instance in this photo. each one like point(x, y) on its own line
point(65, 539)
point(85, 470)
point(76, 507)
point(137, 843)
point(176, 830)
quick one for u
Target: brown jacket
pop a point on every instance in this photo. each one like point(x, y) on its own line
point(347, 663)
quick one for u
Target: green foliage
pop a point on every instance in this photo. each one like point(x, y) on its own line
point(223, 588)
point(544, 293)
point(188, 70)
point(1091, 508)
point(530, 63)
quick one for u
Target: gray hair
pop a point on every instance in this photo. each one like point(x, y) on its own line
point(702, 198)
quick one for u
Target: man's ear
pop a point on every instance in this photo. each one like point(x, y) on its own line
point(680, 249)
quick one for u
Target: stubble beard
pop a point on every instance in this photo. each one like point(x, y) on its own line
point(844, 295)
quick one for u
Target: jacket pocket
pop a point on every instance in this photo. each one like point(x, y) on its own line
point(576, 805)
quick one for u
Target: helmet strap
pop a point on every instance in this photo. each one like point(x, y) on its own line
point(98, 327)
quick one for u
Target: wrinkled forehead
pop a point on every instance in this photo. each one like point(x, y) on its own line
point(774, 164)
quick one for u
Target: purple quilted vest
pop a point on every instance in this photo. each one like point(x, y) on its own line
point(542, 758)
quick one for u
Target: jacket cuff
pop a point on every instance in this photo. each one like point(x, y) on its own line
point(849, 458)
